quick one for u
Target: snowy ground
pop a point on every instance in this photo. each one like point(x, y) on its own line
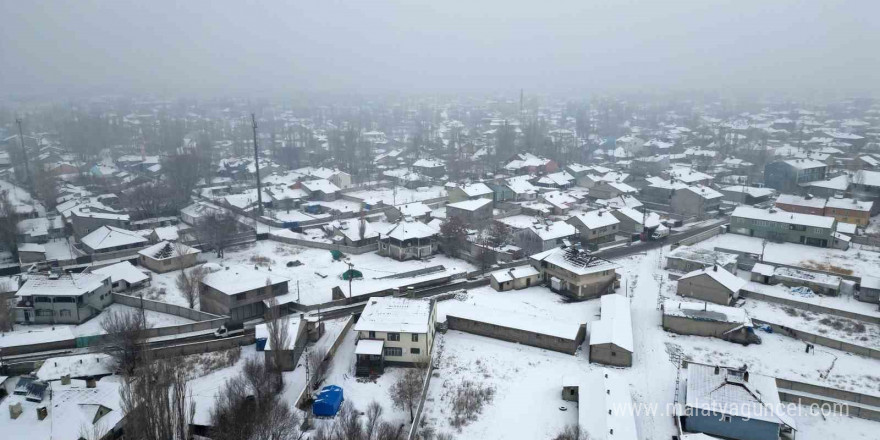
point(34, 334)
point(834, 327)
point(319, 273)
point(528, 381)
point(846, 303)
point(403, 196)
point(860, 262)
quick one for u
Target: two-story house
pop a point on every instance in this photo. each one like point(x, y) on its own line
point(394, 331)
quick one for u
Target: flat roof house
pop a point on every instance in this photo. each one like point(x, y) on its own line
point(775, 225)
point(64, 299)
point(458, 193)
point(239, 292)
point(789, 175)
point(473, 212)
point(166, 256)
point(575, 273)
point(394, 331)
point(733, 403)
point(605, 413)
point(514, 278)
point(801, 204)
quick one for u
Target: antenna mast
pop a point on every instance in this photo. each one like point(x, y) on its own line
point(257, 166)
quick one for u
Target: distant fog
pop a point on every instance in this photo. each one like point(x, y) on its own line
point(280, 47)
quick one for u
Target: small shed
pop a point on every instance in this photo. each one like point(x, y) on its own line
point(762, 273)
point(869, 290)
point(328, 401)
point(369, 360)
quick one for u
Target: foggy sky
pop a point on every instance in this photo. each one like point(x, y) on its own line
point(235, 47)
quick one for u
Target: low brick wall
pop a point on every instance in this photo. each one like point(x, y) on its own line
point(547, 342)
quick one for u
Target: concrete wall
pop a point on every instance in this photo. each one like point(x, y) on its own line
point(524, 337)
point(687, 326)
point(700, 237)
point(804, 393)
point(203, 346)
point(329, 246)
point(610, 354)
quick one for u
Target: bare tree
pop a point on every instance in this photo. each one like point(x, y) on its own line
point(190, 282)
point(316, 366)
point(278, 326)
point(8, 224)
point(217, 230)
point(124, 339)
point(453, 236)
point(374, 416)
point(157, 402)
point(249, 408)
point(407, 389)
point(7, 314)
point(182, 171)
point(572, 432)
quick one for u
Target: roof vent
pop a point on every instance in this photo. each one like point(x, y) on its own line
point(717, 370)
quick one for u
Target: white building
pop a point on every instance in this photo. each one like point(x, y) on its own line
point(396, 331)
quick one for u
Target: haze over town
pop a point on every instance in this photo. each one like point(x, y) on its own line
point(448, 220)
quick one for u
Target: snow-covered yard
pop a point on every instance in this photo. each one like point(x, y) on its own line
point(834, 327)
point(528, 381)
point(400, 195)
point(35, 334)
point(317, 274)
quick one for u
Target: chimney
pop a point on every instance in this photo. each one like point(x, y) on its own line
point(714, 268)
point(15, 410)
point(745, 376)
point(717, 370)
point(65, 380)
point(42, 412)
point(91, 383)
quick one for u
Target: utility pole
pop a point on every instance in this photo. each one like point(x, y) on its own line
point(257, 167)
point(27, 171)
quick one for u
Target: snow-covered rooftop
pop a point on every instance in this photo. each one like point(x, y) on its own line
point(816, 221)
point(596, 219)
point(65, 285)
point(470, 205)
point(518, 321)
point(123, 271)
point(107, 237)
point(390, 314)
point(238, 279)
point(575, 261)
point(705, 311)
point(719, 274)
point(615, 324)
point(505, 275)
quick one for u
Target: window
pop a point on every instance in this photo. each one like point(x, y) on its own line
point(42, 299)
point(64, 312)
point(372, 335)
point(393, 336)
point(393, 351)
point(415, 337)
point(64, 299)
point(415, 351)
point(727, 419)
point(44, 312)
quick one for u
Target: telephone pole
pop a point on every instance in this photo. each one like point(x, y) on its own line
point(27, 171)
point(257, 167)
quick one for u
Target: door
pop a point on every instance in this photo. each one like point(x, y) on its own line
point(27, 316)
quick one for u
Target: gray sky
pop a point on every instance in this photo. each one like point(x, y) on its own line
point(241, 47)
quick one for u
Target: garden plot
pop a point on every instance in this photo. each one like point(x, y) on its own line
point(822, 324)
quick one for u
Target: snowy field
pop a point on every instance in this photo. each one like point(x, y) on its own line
point(318, 273)
point(34, 334)
point(834, 327)
point(860, 262)
point(403, 196)
point(528, 381)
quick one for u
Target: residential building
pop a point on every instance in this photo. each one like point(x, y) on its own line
point(430, 167)
point(601, 413)
point(696, 201)
point(472, 212)
point(746, 195)
point(542, 237)
point(609, 190)
point(240, 292)
point(780, 226)
point(112, 239)
point(733, 404)
point(636, 221)
point(514, 278)
point(458, 193)
point(803, 205)
point(166, 256)
point(713, 284)
point(849, 210)
point(611, 338)
point(62, 299)
point(575, 273)
point(87, 220)
point(394, 331)
point(564, 336)
point(710, 320)
point(685, 259)
point(407, 240)
point(415, 210)
point(124, 276)
point(595, 227)
point(321, 189)
point(789, 175)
